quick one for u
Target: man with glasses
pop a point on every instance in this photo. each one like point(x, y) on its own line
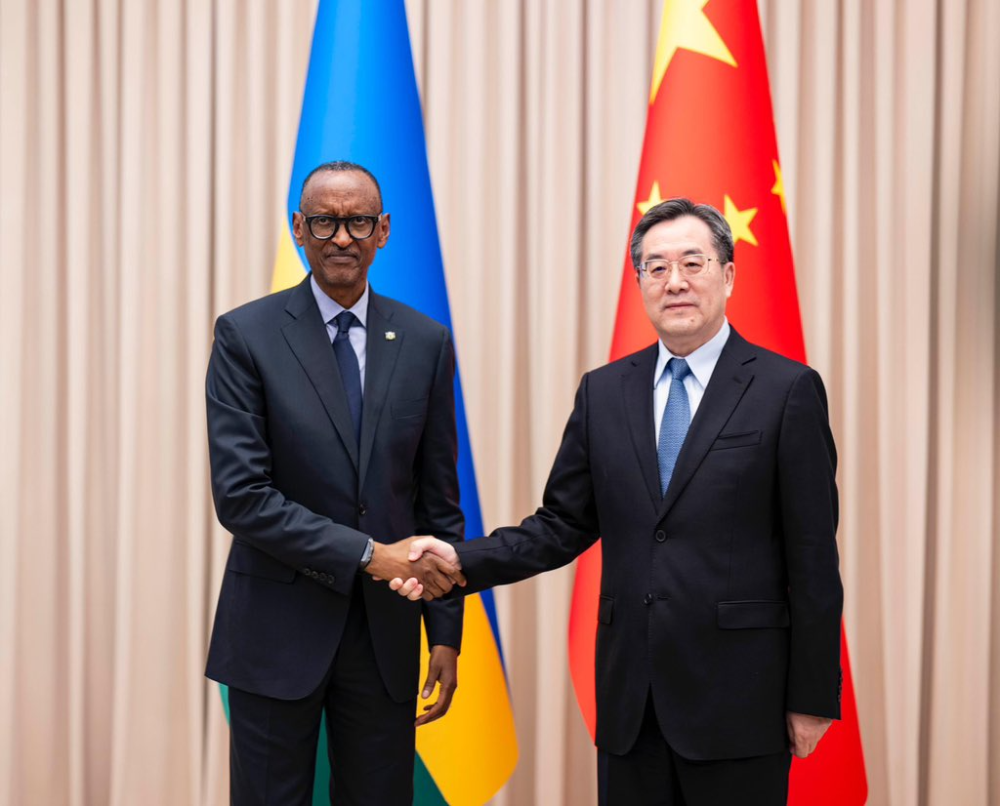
point(706, 465)
point(332, 437)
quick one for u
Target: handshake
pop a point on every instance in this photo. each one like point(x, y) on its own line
point(418, 568)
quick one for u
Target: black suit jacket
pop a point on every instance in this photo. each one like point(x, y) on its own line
point(722, 597)
point(301, 498)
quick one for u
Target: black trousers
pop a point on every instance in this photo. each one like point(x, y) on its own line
point(371, 738)
point(652, 774)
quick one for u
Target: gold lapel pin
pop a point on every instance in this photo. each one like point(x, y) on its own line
point(390, 335)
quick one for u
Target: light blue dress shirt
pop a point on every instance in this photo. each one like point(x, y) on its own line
point(330, 308)
point(702, 363)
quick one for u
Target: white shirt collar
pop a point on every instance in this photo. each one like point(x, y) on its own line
point(701, 362)
point(329, 308)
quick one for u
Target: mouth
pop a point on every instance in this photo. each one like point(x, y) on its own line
point(678, 306)
point(341, 257)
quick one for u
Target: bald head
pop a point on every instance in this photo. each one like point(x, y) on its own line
point(338, 166)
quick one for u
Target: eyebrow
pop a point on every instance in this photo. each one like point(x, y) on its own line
point(690, 251)
point(331, 215)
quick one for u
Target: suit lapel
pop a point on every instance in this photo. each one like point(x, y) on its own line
point(637, 392)
point(382, 352)
point(729, 382)
point(307, 337)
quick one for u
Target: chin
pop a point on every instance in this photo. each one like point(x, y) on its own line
point(682, 327)
point(341, 277)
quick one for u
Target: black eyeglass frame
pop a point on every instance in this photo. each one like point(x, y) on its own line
point(338, 220)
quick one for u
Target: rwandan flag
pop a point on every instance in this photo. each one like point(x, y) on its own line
point(361, 105)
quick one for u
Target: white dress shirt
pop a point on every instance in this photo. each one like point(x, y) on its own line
point(330, 308)
point(702, 364)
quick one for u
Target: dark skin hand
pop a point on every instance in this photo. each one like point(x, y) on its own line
point(443, 670)
point(391, 560)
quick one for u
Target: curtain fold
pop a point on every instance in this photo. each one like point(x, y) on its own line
point(144, 158)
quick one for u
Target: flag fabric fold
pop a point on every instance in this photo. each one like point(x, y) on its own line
point(710, 136)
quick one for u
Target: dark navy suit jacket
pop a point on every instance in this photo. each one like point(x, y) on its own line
point(723, 597)
point(301, 498)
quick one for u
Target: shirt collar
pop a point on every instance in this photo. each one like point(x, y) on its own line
point(329, 308)
point(701, 362)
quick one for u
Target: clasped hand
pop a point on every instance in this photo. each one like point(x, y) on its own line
point(429, 566)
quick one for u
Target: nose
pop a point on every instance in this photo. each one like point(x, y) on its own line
point(675, 281)
point(342, 237)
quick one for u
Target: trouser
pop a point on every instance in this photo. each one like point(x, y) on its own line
point(652, 774)
point(370, 736)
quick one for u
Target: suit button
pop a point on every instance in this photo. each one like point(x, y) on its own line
point(314, 574)
point(362, 510)
point(306, 571)
point(648, 599)
point(323, 576)
point(660, 535)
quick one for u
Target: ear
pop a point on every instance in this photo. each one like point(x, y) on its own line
point(729, 276)
point(383, 231)
point(298, 228)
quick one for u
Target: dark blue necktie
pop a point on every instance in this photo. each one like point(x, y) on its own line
point(676, 419)
point(350, 372)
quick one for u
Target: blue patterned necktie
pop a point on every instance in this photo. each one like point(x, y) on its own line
point(675, 423)
point(350, 372)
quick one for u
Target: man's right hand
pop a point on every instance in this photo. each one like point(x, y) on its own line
point(433, 570)
point(422, 549)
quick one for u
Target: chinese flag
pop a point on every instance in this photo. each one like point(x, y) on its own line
point(710, 137)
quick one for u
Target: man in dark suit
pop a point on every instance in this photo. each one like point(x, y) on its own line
point(331, 422)
point(707, 466)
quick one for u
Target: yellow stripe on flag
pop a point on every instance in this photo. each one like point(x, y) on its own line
point(288, 269)
point(470, 773)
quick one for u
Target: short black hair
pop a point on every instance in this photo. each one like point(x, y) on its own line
point(722, 235)
point(342, 165)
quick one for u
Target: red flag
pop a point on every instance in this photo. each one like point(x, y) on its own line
point(710, 137)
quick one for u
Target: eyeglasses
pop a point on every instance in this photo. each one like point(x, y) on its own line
point(689, 266)
point(325, 227)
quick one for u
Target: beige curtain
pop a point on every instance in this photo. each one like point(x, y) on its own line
point(144, 155)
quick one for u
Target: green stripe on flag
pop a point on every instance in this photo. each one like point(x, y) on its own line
point(425, 791)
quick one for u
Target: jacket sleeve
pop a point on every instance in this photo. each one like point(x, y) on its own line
point(246, 501)
point(436, 506)
point(564, 526)
point(807, 466)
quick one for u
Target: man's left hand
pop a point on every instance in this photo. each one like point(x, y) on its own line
point(443, 670)
point(804, 732)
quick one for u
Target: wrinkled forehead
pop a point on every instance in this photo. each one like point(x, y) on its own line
point(681, 236)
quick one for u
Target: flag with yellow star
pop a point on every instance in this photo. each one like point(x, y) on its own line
point(710, 137)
